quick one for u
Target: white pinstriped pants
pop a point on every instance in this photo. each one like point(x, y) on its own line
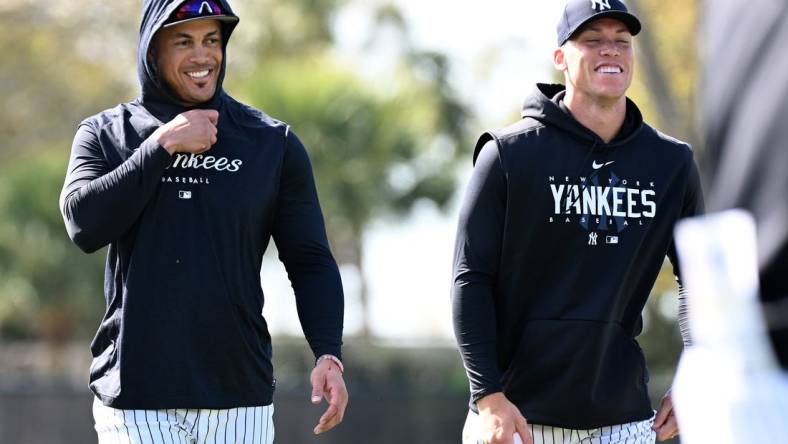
point(632, 433)
point(243, 425)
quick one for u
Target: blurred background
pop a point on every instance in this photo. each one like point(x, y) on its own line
point(388, 97)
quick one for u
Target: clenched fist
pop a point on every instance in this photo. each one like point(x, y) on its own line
point(190, 132)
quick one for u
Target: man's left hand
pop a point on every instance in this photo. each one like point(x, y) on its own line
point(665, 422)
point(327, 382)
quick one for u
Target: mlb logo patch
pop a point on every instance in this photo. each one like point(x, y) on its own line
point(611, 240)
point(184, 194)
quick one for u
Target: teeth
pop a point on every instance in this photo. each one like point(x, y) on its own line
point(609, 69)
point(198, 74)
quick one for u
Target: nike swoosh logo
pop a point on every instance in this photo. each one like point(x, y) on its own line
point(597, 166)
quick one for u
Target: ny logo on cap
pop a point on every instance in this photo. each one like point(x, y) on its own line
point(601, 5)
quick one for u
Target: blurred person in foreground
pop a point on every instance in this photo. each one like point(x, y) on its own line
point(735, 259)
point(187, 186)
point(565, 225)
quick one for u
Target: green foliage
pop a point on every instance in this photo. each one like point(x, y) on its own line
point(280, 29)
point(373, 152)
point(59, 67)
point(665, 84)
point(48, 288)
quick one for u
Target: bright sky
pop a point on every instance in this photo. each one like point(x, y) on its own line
point(498, 50)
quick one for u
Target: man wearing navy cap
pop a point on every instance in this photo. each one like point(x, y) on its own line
point(186, 187)
point(565, 225)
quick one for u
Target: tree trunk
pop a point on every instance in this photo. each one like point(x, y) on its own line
point(363, 295)
point(659, 90)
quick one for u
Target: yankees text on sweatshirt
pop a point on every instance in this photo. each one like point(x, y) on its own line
point(186, 235)
point(561, 237)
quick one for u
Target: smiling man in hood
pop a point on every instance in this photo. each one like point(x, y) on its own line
point(186, 186)
point(564, 227)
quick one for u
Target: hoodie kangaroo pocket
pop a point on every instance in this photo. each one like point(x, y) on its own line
point(585, 373)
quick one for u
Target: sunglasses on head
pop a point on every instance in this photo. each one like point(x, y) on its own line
point(197, 9)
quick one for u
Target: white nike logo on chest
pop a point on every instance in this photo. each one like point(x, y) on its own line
point(597, 166)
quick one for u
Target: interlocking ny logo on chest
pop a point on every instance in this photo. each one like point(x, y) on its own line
point(601, 5)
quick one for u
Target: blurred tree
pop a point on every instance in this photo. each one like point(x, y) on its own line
point(47, 288)
point(375, 152)
point(667, 70)
point(286, 29)
point(60, 64)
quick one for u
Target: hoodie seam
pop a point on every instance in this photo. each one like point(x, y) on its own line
point(530, 129)
point(502, 140)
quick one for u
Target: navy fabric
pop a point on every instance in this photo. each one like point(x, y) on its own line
point(560, 240)
point(186, 236)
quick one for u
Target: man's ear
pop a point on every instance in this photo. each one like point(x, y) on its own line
point(559, 59)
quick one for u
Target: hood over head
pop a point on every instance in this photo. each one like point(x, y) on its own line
point(155, 96)
point(546, 105)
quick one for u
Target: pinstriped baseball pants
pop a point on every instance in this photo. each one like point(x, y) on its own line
point(632, 433)
point(243, 425)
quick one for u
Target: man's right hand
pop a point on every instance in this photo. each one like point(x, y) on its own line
point(499, 420)
point(190, 132)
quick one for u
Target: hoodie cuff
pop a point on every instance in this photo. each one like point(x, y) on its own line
point(155, 154)
point(333, 359)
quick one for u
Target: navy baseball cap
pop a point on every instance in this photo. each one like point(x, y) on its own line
point(192, 10)
point(579, 12)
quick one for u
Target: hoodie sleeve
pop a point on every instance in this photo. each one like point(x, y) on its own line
point(693, 205)
point(99, 204)
point(300, 236)
point(476, 257)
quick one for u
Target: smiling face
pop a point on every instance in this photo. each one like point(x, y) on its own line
point(189, 58)
point(598, 62)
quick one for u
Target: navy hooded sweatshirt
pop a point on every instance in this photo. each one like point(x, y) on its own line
point(186, 236)
point(561, 237)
